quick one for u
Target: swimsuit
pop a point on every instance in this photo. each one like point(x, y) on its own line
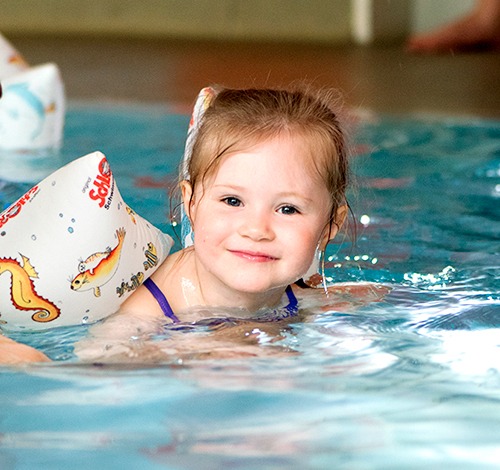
point(289, 311)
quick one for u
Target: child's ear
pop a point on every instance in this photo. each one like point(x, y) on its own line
point(187, 192)
point(340, 217)
point(335, 226)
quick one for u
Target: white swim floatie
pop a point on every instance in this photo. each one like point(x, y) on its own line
point(71, 250)
point(32, 105)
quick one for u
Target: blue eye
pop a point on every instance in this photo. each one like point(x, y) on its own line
point(288, 210)
point(232, 201)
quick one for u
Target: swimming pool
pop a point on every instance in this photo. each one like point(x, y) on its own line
point(410, 382)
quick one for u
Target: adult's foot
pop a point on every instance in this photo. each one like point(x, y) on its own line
point(478, 30)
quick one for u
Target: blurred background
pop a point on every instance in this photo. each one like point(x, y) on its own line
point(166, 50)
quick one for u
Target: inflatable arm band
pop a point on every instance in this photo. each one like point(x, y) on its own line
point(71, 250)
point(32, 104)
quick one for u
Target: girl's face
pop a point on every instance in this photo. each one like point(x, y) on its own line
point(259, 219)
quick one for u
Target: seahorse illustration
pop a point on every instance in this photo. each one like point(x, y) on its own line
point(23, 293)
point(103, 267)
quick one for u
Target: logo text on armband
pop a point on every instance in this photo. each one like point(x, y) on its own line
point(102, 185)
point(87, 185)
point(16, 208)
point(110, 198)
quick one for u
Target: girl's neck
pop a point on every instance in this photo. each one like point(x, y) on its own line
point(195, 287)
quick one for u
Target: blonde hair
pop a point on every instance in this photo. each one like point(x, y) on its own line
point(240, 118)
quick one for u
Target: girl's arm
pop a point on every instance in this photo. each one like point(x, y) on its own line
point(119, 337)
point(14, 353)
point(343, 297)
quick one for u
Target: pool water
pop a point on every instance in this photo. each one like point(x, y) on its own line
point(407, 383)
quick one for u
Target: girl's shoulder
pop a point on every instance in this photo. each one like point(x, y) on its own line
point(167, 279)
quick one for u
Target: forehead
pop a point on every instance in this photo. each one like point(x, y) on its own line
point(295, 151)
point(278, 163)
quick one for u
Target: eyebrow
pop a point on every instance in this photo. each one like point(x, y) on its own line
point(285, 195)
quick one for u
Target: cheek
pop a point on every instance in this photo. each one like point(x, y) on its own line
point(208, 230)
point(305, 241)
point(318, 239)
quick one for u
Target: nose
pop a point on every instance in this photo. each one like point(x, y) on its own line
point(257, 226)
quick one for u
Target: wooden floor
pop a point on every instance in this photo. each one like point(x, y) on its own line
point(380, 78)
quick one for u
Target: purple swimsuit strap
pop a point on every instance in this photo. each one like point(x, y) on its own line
point(291, 309)
point(161, 299)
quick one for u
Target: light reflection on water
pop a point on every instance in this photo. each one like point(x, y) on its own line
point(407, 382)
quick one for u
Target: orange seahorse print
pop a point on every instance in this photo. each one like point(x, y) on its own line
point(23, 293)
point(94, 275)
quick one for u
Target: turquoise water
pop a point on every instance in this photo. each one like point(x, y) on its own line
point(408, 383)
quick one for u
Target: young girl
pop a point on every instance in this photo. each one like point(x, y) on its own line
point(266, 190)
point(265, 194)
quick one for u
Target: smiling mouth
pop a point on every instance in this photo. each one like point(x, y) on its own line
point(253, 256)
